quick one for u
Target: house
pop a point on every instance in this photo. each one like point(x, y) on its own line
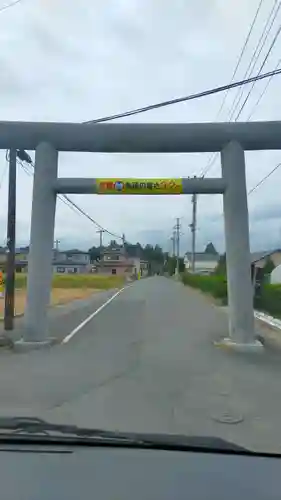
point(71, 261)
point(115, 261)
point(258, 261)
point(205, 263)
point(21, 259)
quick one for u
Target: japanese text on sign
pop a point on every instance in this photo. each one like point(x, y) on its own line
point(139, 186)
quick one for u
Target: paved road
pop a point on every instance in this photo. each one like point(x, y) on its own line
point(147, 363)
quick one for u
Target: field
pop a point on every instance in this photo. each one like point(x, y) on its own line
point(77, 281)
point(65, 288)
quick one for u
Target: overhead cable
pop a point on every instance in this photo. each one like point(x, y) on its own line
point(71, 204)
point(255, 56)
point(190, 97)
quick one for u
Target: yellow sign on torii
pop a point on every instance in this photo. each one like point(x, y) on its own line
point(139, 186)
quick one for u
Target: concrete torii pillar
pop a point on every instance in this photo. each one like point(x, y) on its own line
point(240, 290)
point(41, 247)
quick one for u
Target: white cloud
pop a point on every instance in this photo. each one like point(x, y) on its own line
point(73, 61)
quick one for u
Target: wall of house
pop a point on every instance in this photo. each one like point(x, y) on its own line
point(275, 257)
point(22, 256)
point(112, 257)
point(120, 270)
point(77, 257)
point(201, 266)
point(275, 277)
point(69, 269)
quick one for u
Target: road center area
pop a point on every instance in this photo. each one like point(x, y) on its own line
point(147, 362)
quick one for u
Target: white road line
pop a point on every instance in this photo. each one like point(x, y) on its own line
point(89, 318)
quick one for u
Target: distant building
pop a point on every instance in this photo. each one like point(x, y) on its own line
point(258, 261)
point(115, 261)
point(204, 262)
point(21, 259)
point(71, 261)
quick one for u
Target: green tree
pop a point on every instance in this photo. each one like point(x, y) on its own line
point(94, 253)
point(221, 266)
point(269, 266)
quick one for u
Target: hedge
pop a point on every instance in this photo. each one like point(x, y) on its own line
point(269, 300)
point(214, 284)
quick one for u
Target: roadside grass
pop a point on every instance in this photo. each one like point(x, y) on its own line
point(78, 281)
point(214, 285)
point(59, 296)
point(65, 288)
point(269, 300)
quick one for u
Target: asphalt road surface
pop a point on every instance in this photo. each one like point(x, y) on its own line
point(146, 362)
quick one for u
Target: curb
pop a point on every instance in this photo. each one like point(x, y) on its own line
point(269, 320)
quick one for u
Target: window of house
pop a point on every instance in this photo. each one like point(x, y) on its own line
point(113, 271)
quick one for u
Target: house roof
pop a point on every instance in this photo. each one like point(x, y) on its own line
point(203, 256)
point(69, 263)
point(256, 256)
point(74, 251)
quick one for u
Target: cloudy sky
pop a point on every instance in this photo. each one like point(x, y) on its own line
point(62, 60)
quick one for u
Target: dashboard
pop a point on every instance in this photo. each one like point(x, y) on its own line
point(76, 472)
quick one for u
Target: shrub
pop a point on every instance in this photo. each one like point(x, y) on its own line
point(214, 284)
point(270, 300)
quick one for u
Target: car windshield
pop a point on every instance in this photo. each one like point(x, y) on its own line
point(150, 303)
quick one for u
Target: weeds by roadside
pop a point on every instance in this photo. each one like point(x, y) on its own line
point(78, 281)
point(268, 301)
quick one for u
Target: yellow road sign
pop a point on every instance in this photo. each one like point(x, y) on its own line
point(139, 186)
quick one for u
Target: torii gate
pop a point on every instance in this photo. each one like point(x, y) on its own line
point(230, 139)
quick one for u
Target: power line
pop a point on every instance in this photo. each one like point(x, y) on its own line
point(205, 93)
point(249, 72)
point(261, 68)
point(177, 100)
point(82, 212)
point(214, 155)
point(12, 4)
point(190, 97)
point(72, 205)
point(262, 94)
point(241, 55)
point(264, 179)
point(254, 59)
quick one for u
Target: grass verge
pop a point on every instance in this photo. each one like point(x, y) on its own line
point(78, 281)
point(65, 288)
point(212, 284)
point(269, 300)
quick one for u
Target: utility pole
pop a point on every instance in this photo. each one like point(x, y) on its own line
point(57, 242)
point(173, 238)
point(193, 227)
point(11, 244)
point(177, 229)
point(100, 231)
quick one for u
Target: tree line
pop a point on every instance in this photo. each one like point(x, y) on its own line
point(159, 261)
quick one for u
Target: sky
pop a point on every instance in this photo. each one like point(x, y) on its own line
point(68, 61)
